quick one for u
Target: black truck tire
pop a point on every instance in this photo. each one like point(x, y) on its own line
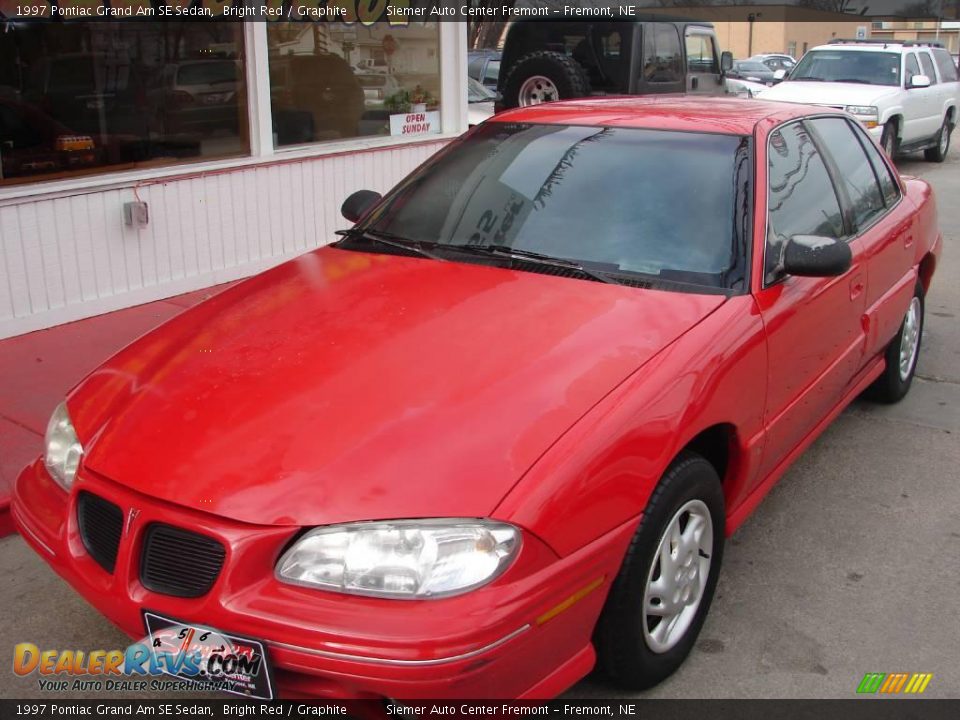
point(566, 79)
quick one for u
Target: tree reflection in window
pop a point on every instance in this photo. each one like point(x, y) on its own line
point(801, 199)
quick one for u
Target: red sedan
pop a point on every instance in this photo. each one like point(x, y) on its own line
point(499, 431)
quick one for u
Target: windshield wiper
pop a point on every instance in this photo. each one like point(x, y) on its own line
point(390, 240)
point(807, 77)
point(853, 80)
point(534, 257)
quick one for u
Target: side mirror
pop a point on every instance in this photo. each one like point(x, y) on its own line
point(919, 81)
point(726, 61)
point(356, 206)
point(815, 256)
point(780, 74)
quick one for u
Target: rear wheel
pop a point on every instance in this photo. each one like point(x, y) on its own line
point(888, 140)
point(938, 153)
point(544, 77)
point(661, 596)
point(901, 355)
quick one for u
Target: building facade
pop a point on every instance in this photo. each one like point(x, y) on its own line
point(139, 160)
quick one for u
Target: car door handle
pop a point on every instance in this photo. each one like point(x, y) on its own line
point(856, 286)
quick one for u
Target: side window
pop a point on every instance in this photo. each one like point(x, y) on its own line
point(926, 63)
point(858, 179)
point(701, 54)
point(662, 60)
point(911, 68)
point(801, 199)
point(888, 184)
point(948, 71)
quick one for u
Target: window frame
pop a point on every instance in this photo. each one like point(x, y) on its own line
point(453, 121)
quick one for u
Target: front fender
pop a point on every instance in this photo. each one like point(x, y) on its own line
point(602, 471)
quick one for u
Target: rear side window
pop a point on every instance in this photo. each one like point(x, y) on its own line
point(856, 173)
point(948, 71)
point(926, 63)
point(662, 59)
point(888, 184)
point(801, 199)
point(701, 54)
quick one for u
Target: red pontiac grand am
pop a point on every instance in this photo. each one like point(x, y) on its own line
point(498, 432)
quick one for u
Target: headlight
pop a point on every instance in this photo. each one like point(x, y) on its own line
point(867, 114)
point(401, 558)
point(63, 450)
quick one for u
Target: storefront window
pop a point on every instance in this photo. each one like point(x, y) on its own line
point(331, 81)
point(82, 98)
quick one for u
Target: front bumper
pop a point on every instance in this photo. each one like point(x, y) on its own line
point(502, 640)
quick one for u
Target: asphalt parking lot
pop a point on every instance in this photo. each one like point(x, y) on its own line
point(849, 566)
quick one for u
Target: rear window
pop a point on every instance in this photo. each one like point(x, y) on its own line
point(208, 73)
point(948, 71)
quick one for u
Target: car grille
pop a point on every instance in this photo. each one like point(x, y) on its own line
point(179, 562)
point(101, 525)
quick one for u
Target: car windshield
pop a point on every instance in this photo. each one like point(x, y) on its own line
point(617, 200)
point(208, 73)
point(750, 66)
point(854, 66)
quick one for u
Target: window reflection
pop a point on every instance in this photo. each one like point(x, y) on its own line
point(80, 98)
point(329, 81)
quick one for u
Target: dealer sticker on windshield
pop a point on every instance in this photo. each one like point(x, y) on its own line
point(209, 658)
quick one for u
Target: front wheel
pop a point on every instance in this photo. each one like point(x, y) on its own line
point(661, 596)
point(901, 355)
point(938, 153)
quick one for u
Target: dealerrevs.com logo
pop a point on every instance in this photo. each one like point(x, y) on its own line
point(192, 657)
point(894, 683)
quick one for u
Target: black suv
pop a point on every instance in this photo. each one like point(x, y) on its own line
point(550, 60)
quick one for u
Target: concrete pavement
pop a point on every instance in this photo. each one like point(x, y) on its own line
point(849, 566)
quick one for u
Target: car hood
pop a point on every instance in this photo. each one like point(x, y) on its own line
point(352, 386)
point(827, 93)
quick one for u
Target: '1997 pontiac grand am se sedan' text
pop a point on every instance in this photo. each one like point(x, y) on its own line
point(499, 431)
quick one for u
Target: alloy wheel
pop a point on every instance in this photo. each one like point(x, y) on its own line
point(678, 576)
point(910, 338)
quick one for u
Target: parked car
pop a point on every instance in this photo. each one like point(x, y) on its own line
point(500, 430)
point(905, 94)
point(775, 61)
point(198, 96)
point(752, 71)
point(96, 94)
point(480, 102)
point(318, 97)
point(545, 61)
point(484, 67)
point(377, 87)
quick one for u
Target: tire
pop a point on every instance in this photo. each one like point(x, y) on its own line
point(563, 78)
point(894, 384)
point(888, 140)
point(625, 634)
point(938, 153)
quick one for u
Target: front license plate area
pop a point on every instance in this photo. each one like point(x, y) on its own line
point(207, 656)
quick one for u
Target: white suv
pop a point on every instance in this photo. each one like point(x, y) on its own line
point(905, 94)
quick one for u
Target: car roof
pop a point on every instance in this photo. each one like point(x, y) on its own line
point(869, 47)
point(727, 115)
